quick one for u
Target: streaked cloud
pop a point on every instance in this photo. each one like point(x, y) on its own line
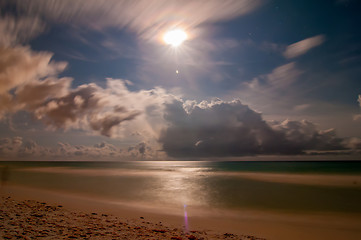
point(145, 17)
point(302, 47)
point(284, 75)
point(301, 107)
point(19, 30)
point(357, 117)
point(280, 78)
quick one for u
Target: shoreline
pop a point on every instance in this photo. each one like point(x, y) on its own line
point(312, 179)
point(267, 225)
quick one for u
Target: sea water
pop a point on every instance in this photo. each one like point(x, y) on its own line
point(200, 184)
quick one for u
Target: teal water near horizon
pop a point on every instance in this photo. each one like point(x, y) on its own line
point(200, 184)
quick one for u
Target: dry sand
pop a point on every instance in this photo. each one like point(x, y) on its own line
point(35, 213)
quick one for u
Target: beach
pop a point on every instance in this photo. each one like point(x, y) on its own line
point(183, 200)
point(29, 213)
point(32, 219)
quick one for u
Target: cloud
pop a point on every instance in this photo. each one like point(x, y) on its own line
point(101, 150)
point(105, 151)
point(302, 47)
point(17, 149)
point(87, 105)
point(184, 129)
point(19, 65)
point(35, 93)
point(353, 143)
point(279, 79)
point(223, 129)
point(357, 117)
point(283, 75)
point(10, 145)
point(19, 30)
point(33, 86)
point(301, 107)
point(29, 82)
point(306, 136)
point(146, 17)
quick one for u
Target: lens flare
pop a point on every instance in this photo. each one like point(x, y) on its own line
point(175, 37)
point(186, 226)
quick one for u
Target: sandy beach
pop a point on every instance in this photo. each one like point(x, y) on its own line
point(31, 219)
point(28, 213)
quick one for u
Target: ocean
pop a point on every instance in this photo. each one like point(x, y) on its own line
point(283, 186)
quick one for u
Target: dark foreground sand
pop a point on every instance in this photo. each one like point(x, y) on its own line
point(31, 219)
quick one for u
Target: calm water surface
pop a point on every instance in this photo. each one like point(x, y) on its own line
point(198, 184)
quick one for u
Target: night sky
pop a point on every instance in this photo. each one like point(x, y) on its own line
point(95, 80)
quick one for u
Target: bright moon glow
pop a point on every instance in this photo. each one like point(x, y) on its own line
point(175, 37)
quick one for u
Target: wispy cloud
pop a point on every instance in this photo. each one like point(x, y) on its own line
point(19, 30)
point(146, 17)
point(302, 47)
point(284, 75)
point(280, 78)
point(357, 117)
point(301, 107)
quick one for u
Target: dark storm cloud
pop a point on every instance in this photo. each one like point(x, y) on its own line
point(221, 129)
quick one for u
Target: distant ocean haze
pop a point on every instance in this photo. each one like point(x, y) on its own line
point(235, 186)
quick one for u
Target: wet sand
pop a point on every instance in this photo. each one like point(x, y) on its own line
point(34, 213)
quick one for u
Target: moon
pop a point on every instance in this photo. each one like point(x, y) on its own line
point(175, 37)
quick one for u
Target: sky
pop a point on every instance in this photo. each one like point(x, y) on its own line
point(254, 79)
